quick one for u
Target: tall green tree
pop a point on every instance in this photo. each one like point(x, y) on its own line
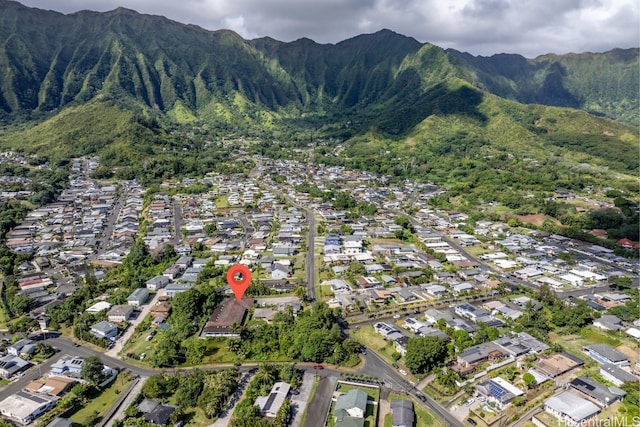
point(425, 353)
point(91, 371)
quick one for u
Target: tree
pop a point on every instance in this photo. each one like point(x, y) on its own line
point(92, 370)
point(425, 353)
point(529, 380)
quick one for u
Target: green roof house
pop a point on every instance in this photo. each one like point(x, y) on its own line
point(350, 409)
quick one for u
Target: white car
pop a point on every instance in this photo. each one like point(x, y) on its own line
point(397, 316)
point(403, 372)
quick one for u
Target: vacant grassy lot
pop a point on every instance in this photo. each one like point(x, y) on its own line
point(100, 404)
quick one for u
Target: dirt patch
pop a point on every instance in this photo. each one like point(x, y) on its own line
point(537, 219)
point(629, 350)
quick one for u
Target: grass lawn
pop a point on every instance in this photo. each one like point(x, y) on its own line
point(477, 250)
point(217, 352)
point(613, 413)
point(196, 418)
point(222, 202)
point(368, 337)
point(590, 335)
point(325, 291)
point(600, 337)
point(424, 418)
point(101, 403)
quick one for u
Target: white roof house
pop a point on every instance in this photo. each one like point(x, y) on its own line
point(571, 408)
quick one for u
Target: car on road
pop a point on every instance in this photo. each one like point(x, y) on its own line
point(363, 350)
point(318, 367)
point(472, 421)
point(75, 344)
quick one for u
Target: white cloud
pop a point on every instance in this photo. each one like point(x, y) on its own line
point(481, 27)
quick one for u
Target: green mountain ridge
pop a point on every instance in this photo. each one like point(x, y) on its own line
point(118, 83)
point(54, 60)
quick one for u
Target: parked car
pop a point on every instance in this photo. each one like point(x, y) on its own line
point(318, 367)
point(472, 421)
point(395, 365)
point(143, 355)
point(403, 372)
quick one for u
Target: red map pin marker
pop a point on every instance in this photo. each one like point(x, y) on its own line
point(239, 278)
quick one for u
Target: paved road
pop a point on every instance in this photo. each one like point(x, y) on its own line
point(378, 367)
point(321, 401)
point(103, 242)
point(311, 256)
point(32, 374)
point(299, 402)
point(177, 222)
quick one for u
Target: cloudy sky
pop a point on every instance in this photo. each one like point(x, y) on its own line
point(481, 27)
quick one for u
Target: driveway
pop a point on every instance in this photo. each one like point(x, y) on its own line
point(321, 402)
point(299, 402)
point(225, 417)
point(115, 350)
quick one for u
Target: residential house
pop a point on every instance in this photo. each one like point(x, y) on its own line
point(270, 405)
point(98, 307)
point(24, 407)
point(433, 315)
point(22, 347)
point(571, 408)
point(477, 354)
point(405, 295)
point(67, 367)
point(402, 414)
point(603, 354)
point(280, 271)
point(352, 404)
point(120, 313)
point(138, 297)
point(158, 282)
point(616, 375)
point(601, 394)
point(557, 364)
point(104, 329)
point(498, 390)
point(226, 316)
point(175, 288)
point(436, 291)
point(156, 413)
point(458, 288)
point(608, 322)
point(13, 365)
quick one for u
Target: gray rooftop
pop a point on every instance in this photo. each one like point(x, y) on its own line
point(572, 405)
point(618, 373)
point(601, 393)
point(608, 352)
